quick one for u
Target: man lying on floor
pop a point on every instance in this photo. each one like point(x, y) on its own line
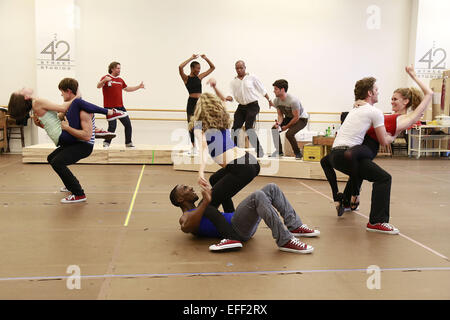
point(239, 226)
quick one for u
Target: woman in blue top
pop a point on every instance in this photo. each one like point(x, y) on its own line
point(193, 83)
point(211, 123)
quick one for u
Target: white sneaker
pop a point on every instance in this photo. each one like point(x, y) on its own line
point(130, 146)
point(63, 189)
point(105, 144)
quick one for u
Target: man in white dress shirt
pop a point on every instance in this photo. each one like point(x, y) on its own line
point(246, 89)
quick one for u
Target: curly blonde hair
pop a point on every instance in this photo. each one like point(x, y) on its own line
point(414, 95)
point(211, 112)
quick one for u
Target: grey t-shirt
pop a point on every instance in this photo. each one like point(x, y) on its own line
point(288, 105)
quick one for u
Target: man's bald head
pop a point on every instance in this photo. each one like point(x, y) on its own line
point(240, 68)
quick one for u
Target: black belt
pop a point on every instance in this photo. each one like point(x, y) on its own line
point(244, 105)
point(340, 148)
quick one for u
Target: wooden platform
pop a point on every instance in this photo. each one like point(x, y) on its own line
point(286, 167)
point(115, 154)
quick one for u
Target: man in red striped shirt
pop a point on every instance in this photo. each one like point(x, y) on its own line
point(112, 86)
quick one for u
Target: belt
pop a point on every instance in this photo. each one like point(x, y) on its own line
point(340, 148)
point(244, 105)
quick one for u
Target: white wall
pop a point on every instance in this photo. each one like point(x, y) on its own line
point(17, 54)
point(320, 47)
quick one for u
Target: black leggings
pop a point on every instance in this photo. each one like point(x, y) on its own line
point(370, 171)
point(354, 155)
point(190, 109)
point(228, 181)
point(368, 150)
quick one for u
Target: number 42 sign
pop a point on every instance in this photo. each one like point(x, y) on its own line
point(50, 49)
point(56, 55)
point(431, 54)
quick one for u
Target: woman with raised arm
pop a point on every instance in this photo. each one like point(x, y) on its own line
point(193, 83)
point(402, 100)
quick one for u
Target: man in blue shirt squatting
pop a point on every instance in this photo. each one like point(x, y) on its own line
point(236, 227)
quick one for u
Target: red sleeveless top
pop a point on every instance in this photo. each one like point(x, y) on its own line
point(390, 123)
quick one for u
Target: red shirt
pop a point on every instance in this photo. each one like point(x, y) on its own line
point(390, 123)
point(112, 92)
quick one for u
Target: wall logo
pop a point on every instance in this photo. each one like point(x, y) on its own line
point(55, 55)
point(432, 63)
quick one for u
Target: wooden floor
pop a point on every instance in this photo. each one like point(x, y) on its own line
point(151, 258)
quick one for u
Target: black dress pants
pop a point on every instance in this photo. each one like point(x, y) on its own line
point(247, 114)
point(66, 155)
point(370, 171)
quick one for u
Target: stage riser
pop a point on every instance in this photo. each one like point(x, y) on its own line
point(283, 168)
point(147, 154)
point(142, 154)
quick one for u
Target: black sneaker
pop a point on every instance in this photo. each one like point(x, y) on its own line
point(298, 156)
point(340, 206)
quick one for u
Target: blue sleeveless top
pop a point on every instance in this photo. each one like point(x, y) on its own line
point(207, 228)
point(219, 141)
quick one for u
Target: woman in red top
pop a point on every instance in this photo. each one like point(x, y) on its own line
point(401, 101)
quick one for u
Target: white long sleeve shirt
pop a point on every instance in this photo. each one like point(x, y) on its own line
point(246, 90)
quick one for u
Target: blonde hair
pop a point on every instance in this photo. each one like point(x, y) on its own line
point(414, 95)
point(211, 112)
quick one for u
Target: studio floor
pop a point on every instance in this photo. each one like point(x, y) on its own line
point(127, 244)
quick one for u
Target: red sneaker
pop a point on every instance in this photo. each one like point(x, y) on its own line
point(73, 199)
point(102, 134)
point(117, 114)
point(305, 231)
point(383, 228)
point(296, 246)
point(226, 244)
